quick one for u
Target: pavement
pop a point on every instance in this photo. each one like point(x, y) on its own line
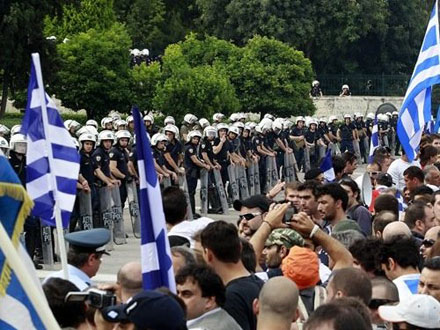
point(131, 251)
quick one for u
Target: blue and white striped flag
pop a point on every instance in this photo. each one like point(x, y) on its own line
point(327, 167)
point(51, 157)
point(157, 266)
point(437, 121)
point(374, 143)
point(416, 107)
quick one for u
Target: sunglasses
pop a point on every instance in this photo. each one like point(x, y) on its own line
point(376, 303)
point(248, 216)
point(428, 243)
point(373, 173)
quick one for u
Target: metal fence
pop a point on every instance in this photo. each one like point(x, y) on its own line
point(364, 84)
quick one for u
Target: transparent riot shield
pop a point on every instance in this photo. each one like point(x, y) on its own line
point(306, 159)
point(47, 246)
point(184, 186)
point(322, 151)
point(251, 179)
point(118, 219)
point(269, 166)
point(275, 176)
point(166, 182)
point(357, 151)
point(243, 183)
point(257, 186)
point(233, 183)
point(221, 191)
point(204, 191)
point(133, 207)
point(105, 200)
point(85, 210)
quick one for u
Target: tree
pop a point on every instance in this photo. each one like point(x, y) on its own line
point(144, 80)
point(94, 71)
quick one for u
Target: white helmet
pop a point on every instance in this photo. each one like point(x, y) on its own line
point(269, 116)
point(246, 127)
point(105, 135)
point(299, 118)
point(360, 115)
point(145, 52)
point(4, 130)
point(315, 83)
point(87, 129)
point(92, 122)
point(169, 120)
point(67, 123)
point(323, 120)
point(233, 117)
point(171, 128)
point(347, 116)
point(87, 137)
point(105, 121)
point(203, 122)
point(120, 122)
point(331, 119)
point(277, 125)
point(158, 137)
point(266, 125)
point(190, 119)
point(251, 124)
point(4, 143)
point(122, 134)
point(370, 115)
point(222, 126)
point(395, 113)
point(389, 114)
point(234, 129)
point(149, 118)
point(241, 116)
point(18, 143)
point(210, 131)
point(129, 119)
point(345, 86)
point(259, 129)
point(15, 129)
point(115, 116)
point(238, 124)
point(218, 117)
point(74, 124)
point(385, 117)
point(287, 124)
point(135, 52)
point(193, 134)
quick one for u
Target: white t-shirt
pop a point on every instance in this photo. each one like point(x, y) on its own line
point(396, 170)
point(188, 229)
point(407, 285)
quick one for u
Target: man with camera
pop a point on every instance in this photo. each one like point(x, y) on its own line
point(84, 256)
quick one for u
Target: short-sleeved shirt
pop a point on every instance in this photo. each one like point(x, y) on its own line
point(102, 159)
point(132, 156)
point(359, 124)
point(120, 156)
point(333, 128)
point(257, 141)
point(175, 149)
point(222, 156)
point(312, 136)
point(383, 125)
point(158, 156)
point(206, 146)
point(240, 294)
point(347, 131)
point(19, 166)
point(87, 167)
point(322, 130)
point(190, 150)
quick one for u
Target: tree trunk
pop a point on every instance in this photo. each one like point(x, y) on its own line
point(4, 92)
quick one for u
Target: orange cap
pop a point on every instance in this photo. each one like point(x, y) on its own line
point(302, 267)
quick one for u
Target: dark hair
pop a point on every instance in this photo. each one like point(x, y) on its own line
point(387, 284)
point(414, 212)
point(384, 179)
point(433, 196)
point(381, 220)
point(357, 304)
point(209, 282)
point(366, 252)
point(168, 292)
point(335, 191)
point(352, 185)
point(426, 153)
point(349, 157)
point(67, 314)
point(291, 186)
point(402, 250)
point(340, 317)
point(248, 256)
point(377, 164)
point(186, 253)
point(338, 164)
point(309, 185)
point(352, 282)
point(422, 190)
point(386, 202)
point(76, 258)
point(414, 172)
point(433, 263)
point(174, 205)
point(223, 240)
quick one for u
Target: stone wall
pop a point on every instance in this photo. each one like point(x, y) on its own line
point(338, 106)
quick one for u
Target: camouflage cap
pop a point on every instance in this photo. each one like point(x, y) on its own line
point(284, 236)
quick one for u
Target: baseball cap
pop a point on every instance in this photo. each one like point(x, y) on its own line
point(419, 310)
point(284, 236)
point(302, 267)
point(345, 225)
point(147, 310)
point(260, 201)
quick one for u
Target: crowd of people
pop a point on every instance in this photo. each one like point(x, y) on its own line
point(304, 254)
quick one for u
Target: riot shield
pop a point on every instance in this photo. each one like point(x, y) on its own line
point(257, 186)
point(184, 186)
point(251, 172)
point(118, 218)
point(295, 169)
point(133, 207)
point(322, 150)
point(85, 210)
point(47, 246)
point(269, 166)
point(105, 200)
point(357, 151)
point(221, 191)
point(243, 183)
point(385, 140)
point(233, 182)
point(166, 182)
point(204, 191)
point(275, 176)
point(393, 143)
point(306, 159)
point(289, 167)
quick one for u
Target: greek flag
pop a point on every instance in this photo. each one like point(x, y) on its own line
point(402, 205)
point(51, 157)
point(327, 167)
point(416, 107)
point(16, 310)
point(374, 143)
point(437, 121)
point(157, 267)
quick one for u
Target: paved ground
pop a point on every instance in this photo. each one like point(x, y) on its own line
point(131, 251)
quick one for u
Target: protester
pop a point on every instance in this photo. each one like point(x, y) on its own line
point(349, 282)
point(182, 257)
point(381, 220)
point(430, 278)
point(384, 292)
point(431, 236)
point(129, 280)
point(420, 218)
point(396, 229)
point(252, 213)
point(332, 203)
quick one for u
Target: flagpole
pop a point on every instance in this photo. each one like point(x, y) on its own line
point(58, 222)
point(14, 261)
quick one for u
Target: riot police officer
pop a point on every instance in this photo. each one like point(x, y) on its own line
point(189, 122)
point(346, 134)
point(119, 162)
point(221, 150)
point(158, 142)
point(149, 125)
point(107, 123)
point(395, 139)
point(173, 149)
point(297, 136)
point(4, 146)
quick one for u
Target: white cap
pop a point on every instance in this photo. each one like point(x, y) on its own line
point(419, 309)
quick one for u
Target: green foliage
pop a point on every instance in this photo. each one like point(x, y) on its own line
point(11, 119)
point(144, 80)
point(94, 73)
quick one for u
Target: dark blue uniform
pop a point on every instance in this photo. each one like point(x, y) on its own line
point(102, 160)
point(192, 172)
point(298, 147)
point(346, 132)
point(120, 155)
point(222, 158)
point(258, 141)
point(175, 149)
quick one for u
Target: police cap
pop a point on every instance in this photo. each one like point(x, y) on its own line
point(89, 241)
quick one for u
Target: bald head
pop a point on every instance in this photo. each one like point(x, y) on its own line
point(394, 229)
point(433, 233)
point(278, 300)
point(130, 280)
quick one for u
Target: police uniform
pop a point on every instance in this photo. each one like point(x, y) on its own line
point(312, 137)
point(360, 125)
point(192, 172)
point(213, 198)
point(396, 144)
point(333, 128)
point(120, 156)
point(382, 126)
point(90, 241)
point(298, 146)
point(222, 158)
point(323, 131)
point(102, 159)
point(346, 132)
point(175, 149)
point(152, 129)
point(258, 141)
